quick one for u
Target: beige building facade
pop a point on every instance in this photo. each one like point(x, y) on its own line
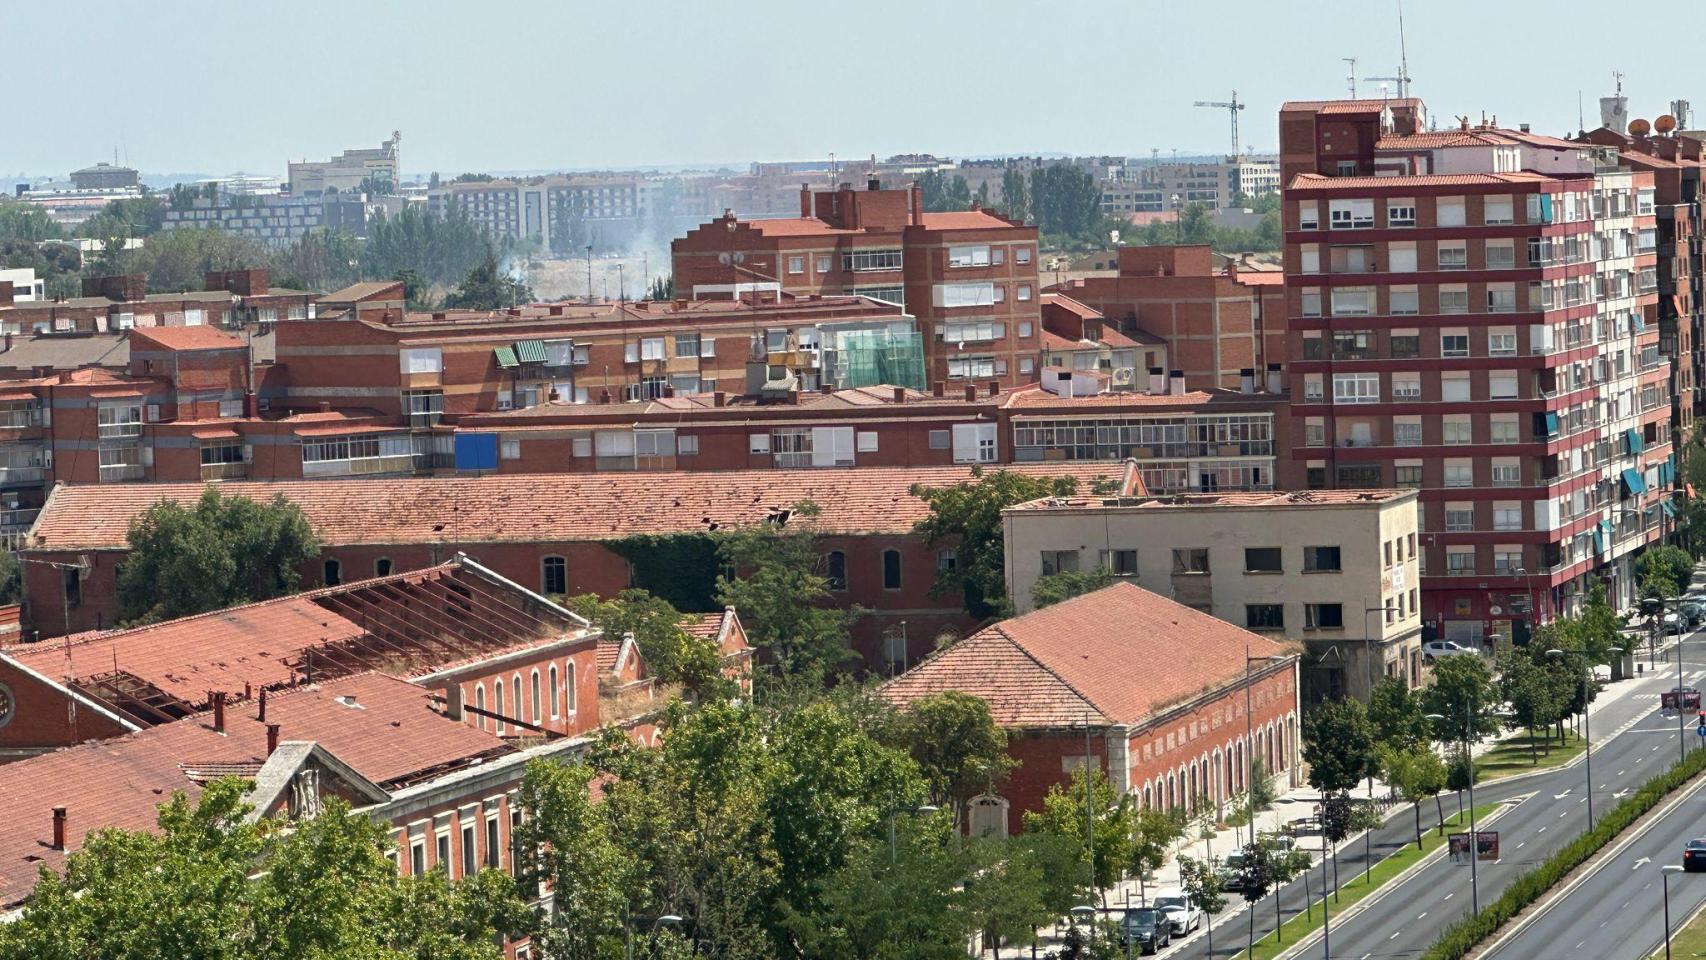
point(1334, 570)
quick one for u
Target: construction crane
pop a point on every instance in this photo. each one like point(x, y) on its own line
point(1231, 107)
point(1402, 80)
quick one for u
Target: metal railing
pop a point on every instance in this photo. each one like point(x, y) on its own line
point(224, 471)
point(360, 466)
point(119, 472)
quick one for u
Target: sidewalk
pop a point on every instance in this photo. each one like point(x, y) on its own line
point(1292, 803)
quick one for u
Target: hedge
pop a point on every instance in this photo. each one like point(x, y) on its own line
point(1456, 940)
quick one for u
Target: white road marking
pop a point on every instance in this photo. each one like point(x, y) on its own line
point(1450, 895)
point(1423, 916)
point(1519, 846)
point(1561, 815)
point(1394, 934)
point(1541, 830)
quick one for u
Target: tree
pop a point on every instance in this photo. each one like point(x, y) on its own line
point(1104, 846)
point(1417, 772)
point(782, 594)
point(440, 249)
point(1533, 690)
point(671, 654)
point(566, 841)
point(220, 552)
point(661, 289)
point(958, 747)
point(180, 259)
point(1065, 201)
point(321, 260)
point(1338, 745)
point(966, 518)
point(488, 288)
point(1201, 882)
point(26, 221)
point(1152, 832)
point(942, 194)
point(1459, 774)
point(1663, 570)
point(1009, 894)
point(1255, 877)
point(1067, 584)
point(194, 888)
point(1396, 714)
point(377, 185)
point(1289, 862)
point(1461, 691)
point(11, 578)
point(1015, 195)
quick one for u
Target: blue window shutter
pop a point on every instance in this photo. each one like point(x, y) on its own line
point(476, 451)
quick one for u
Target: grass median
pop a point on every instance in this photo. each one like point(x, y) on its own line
point(1525, 755)
point(1365, 884)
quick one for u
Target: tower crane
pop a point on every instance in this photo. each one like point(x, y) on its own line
point(1231, 107)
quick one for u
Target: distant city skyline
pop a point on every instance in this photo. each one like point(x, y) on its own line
point(535, 85)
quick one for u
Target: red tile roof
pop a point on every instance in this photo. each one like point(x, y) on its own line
point(1312, 181)
point(1261, 278)
point(965, 220)
point(795, 227)
point(1116, 656)
point(1349, 106)
point(1267, 500)
point(528, 508)
point(184, 338)
point(386, 730)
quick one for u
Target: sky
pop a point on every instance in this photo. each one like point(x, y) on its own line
point(221, 87)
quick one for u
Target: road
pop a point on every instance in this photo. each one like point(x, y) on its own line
point(1633, 741)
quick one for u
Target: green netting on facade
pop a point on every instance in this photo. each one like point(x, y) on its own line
point(869, 358)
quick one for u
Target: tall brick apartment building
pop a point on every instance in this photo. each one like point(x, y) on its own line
point(970, 278)
point(1474, 313)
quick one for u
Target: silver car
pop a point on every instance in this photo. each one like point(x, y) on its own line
point(1180, 911)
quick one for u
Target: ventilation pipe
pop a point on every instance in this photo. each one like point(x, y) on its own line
point(1276, 378)
point(1157, 381)
point(1176, 382)
point(1247, 380)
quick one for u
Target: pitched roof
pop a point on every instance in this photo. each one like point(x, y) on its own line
point(965, 220)
point(186, 338)
point(528, 508)
point(67, 351)
point(385, 729)
point(1118, 655)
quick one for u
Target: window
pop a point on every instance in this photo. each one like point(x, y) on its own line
point(480, 704)
point(1323, 616)
point(469, 864)
point(1021, 254)
point(1501, 255)
point(1454, 387)
point(1507, 515)
point(1507, 559)
point(1024, 291)
point(1404, 344)
point(1309, 303)
point(1498, 210)
point(332, 573)
point(1350, 214)
point(971, 255)
point(1262, 560)
point(1401, 257)
point(758, 443)
point(1448, 212)
point(1314, 432)
point(1308, 216)
point(1400, 213)
point(823, 264)
point(1501, 298)
point(421, 360)
point(1059, 561)
point(1503, 428)
point(1459, 517)
point(1501, 384)
point(1264, 616)
point(1460, 559)
point(867, 441)
point(571, 693)
point(554, 576)
point(651, 348)
point(1507, 472)
point(796, 264)
point(1353, 301)
point(382, 567)
point(492, 843)
point(835, 570)
point(1459, 473)
point(974, 442)
point(552, 677)
point(1407, 432)
point(1501, 341)
point(866, 260)
point(1455, 430)
point(940, 440)
point(1320, 559)
point(534, 698)
point(1024, 328)
point(441, 862)
point(1406, 386)
point(891, 569)
point(687, 344)
point(498, 704)
point(1453, 255)
point(976, 294)
point(686, 445)
point(1356, 388)
point(1407, 474)
point(1453, 298)
point(417, 856)
point(1311, 258)
point(1120, 563)
point(1190, 560)
point(947, 561)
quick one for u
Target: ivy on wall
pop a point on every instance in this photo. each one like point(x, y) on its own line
point(678, 567)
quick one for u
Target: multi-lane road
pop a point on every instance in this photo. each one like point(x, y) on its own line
point(1633, 741)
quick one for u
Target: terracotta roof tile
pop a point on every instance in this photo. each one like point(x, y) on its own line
point(184, 338)
point(1349, 106)
point(966, 220)
point(1119, 655)
point(528, 508)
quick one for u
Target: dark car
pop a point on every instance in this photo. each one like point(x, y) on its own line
point(1146, 929)
point(1694, 856)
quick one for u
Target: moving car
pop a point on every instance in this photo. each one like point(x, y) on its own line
point(1680, 698)
point(1693, 612)
point(1181, 912)
point(1694, 856)
point(1145, 928)
point(1445, 648)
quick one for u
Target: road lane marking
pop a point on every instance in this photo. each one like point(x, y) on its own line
point(1394, 934)
point(1450, 895)
point(1424, 915)
point(1541, 830)
point(1519, 846)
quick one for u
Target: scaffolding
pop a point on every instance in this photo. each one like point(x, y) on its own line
point(869, 358)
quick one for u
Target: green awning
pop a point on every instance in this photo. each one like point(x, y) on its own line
point(1668, 508)
point(1551, 424)
point(506, 357)
point(1598, 540)
point(530, 351)
point(1632, 482)
point(1634, 437)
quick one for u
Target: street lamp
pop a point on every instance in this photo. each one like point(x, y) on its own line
point(1085, 912)
point(1474, 838)
point(1178, 220)
point(668, 919)
point(1664, 875)
point(1587, 731)
point(926, 810)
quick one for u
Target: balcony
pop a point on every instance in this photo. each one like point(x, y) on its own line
point(120, 431)
point(120, 472)
point(224, 471)
point(358, 466)
point(17, 476)
point(16, 419)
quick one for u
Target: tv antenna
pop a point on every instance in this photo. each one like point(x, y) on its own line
point(1352, 79)
point(1403, 77)
point(1231, 107)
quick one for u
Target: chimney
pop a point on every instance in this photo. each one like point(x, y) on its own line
point(1176, 382)
point(971, 392)
point(719, 398)
point(1523, 127)
point(938, 388)
point(994, 387)
point(899, 394)
point(325, 406)
point(794, 397)
point(1276, 379)
point(917, 205)
point(553, 396)
point(805, 201)
point(218, 697)
point(873, 184)
point(556, 310)
point(59, 828)
point(263, 710)
point(272, 738)
point(1157, 380)
point(1247, 380)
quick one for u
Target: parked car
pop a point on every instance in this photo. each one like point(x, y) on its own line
point(1145, 928)
point(1229, 869)
point(1446, 648)
point(1672, 622)
point(1180, 911)
point(1694, 856)
point(1693, 612)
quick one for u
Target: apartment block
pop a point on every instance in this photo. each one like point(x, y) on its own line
point(564, 213)
point(1474, 313)
point(229, 299)
point(345, 172)
point(1333, 570)
point(969, 278)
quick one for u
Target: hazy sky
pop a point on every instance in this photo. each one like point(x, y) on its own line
point(217, 87)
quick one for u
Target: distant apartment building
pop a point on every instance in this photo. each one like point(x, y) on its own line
point(970, 278)
point(276, 220)
point(1153, 187)
point(563, 213)
point(1473, 313)
point(117, 303)
point(1335, 571)
point(21, 285)
point(345, 172)
point(1216, 323)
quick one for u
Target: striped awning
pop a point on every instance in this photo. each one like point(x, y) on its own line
point(530, 351)
point(506, 357)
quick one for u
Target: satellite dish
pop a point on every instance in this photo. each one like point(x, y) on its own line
point(1665, 123)
point(1639, 127)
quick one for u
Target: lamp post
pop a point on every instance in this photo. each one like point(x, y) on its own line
point(926, 809)
point(1587, 730)
point(668, 919)
point(1664, 875)
point(1178, 220)
point(1474, 838)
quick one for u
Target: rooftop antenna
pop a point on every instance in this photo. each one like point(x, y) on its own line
point(1581, 118)
point(1353, 77)
point(1403, 77)
point(1231, 107)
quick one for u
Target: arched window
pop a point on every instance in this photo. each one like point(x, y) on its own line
point(571, 698)
point(515, 695)
point(382, 567)
point(1148, 796)
point(332, 572)
point(835, 569)
point(480, 704)
point(553, 576)
point(498, 705)
point(555, 692)
point(1172, 791)
point(533, 688)
point(891, 569)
